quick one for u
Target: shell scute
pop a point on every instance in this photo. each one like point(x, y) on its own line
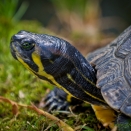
point(115, 93)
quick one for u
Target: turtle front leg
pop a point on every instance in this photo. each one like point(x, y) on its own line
point(57, 99)
point(105, 115)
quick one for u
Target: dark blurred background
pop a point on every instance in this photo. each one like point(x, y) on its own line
point(115, 14)
point(82, 20)
point(88, 24)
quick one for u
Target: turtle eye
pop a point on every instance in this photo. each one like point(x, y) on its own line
point(27, 46)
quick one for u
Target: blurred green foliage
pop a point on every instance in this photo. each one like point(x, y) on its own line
point(8, 8)
point(9, 15)
point(79, 20)
point(77, 6)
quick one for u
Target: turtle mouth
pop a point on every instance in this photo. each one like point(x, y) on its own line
point(16, 51)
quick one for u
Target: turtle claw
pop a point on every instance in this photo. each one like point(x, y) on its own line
point(65, 106)
point(55, 101)
point(52, 107)
point(58, 106)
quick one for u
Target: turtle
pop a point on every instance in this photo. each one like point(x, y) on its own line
point(102, 79)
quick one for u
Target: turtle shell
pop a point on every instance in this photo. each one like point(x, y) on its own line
point(113, 66)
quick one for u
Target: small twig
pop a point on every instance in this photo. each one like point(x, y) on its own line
point(59, 122)
point(14, 104)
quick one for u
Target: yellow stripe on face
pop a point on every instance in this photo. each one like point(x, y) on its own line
point(37, 60)
point(26, 66)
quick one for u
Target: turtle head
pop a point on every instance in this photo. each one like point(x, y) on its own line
point(56, 61)
point(36, 51)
